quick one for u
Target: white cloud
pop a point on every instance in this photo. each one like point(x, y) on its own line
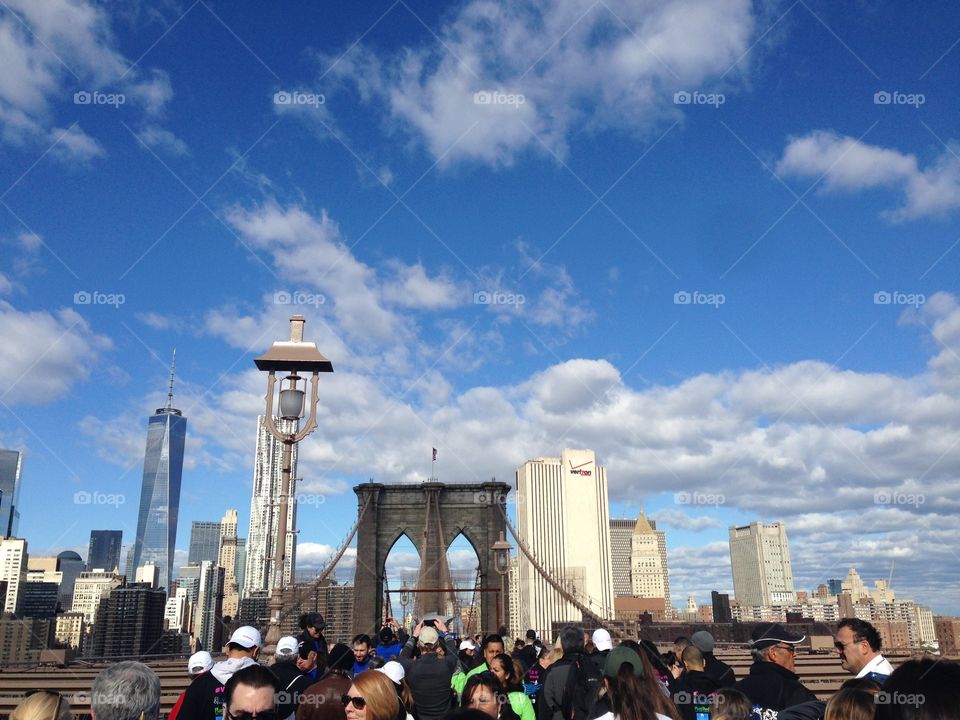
point(74, 143)
point(164, 140)
point(850, 165)
point(509, 76)
point(412, 288)
point(53, 49)
point(682, 521)
point(6, 286)
point(44, 354)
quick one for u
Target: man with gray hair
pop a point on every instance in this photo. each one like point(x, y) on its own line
point(126, 691)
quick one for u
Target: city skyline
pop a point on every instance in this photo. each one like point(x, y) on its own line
point(717, 243)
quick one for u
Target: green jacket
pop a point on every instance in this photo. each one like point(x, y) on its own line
point(459, 680)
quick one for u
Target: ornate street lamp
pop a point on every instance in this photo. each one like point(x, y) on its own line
point(293, 357)
point(501, 562)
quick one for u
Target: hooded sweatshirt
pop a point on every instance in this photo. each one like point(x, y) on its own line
point(203, 698)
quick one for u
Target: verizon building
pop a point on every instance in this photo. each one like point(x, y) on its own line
point(563, 517)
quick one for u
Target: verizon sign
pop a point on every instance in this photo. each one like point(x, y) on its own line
point(581, 469)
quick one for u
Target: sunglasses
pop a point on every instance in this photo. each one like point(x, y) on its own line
point(244, 715)
point(840, 646)
point(358, 702)
point(789, 648)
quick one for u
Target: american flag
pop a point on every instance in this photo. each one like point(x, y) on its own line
point(434, 454)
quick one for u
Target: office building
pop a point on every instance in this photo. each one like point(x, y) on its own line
point(649, 575)
point(228, 561)
point(13, 570)
point(69, 629)
point(265, 512)
point(563, 518)
point(89, 590)
point(204, 542)
point(129, 621)
point(11, 464)
point(69, 565)
point(721, 607)
point(760, 559)
point(104, 552)
point(621, 546)
point(208, 615)
point(160, 492)
point(39, 599)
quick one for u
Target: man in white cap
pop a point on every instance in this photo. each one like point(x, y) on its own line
point(394, 670)
point(204, 697)
point(428, 676)
point(293, 681)
point(199, 662)
point(603, 644)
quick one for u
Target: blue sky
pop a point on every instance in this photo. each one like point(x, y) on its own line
point(720, 239)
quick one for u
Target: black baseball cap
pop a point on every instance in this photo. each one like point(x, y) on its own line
point(767, 635)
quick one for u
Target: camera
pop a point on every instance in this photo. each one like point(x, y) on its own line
point(430, 623)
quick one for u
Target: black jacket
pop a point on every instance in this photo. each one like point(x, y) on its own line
point(771, 688)
point(319, 645)
point(429, 679)
point(292, 684)
point(692, 690)
point(719, 670)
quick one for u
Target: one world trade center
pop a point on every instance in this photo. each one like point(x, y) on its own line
point(160, 491)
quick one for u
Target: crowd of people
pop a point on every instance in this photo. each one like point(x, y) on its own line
point(430, 674)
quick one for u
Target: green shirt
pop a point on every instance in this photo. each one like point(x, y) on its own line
point(459, 680)
point(521, 705)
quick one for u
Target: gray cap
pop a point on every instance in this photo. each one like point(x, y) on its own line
point(703, 641)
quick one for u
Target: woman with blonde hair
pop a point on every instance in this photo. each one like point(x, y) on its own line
point(43, 705)
point(851, 704)
point(372, 696)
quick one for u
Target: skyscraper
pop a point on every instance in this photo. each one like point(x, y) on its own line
point(13, 571)
point(104, 552)
point(204, 542)
point(228, 561)
point(160, 492)
point(11, 462)
point(621, 534)
point(265, 512)
point(760, 559)
point(563, 517)
point(649, 575)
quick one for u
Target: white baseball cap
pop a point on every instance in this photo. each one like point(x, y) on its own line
point(394, 671)
point(601, 638)
point(468, 644)
point(288, 646)
point(246, 637)
point(199, 662)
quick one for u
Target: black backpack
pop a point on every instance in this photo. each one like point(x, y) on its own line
point(584, 681)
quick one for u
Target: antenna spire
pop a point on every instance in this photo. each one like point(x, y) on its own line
point(173, 369)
